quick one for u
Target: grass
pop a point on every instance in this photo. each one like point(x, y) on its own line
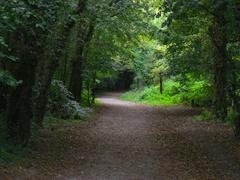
point(149, 99)
point(152, 96)
point(174, 94)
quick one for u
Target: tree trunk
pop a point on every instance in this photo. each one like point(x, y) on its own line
point(235, 99)
point(235, 108)
point(218, 37)
point(19, 101)
point(89, 93)
point(161, 83)
point(19, 109)
point(45, 72)
point(76, 82)
point(48, 66)
point(94, 88)
point(220, 86)
point(3, 94)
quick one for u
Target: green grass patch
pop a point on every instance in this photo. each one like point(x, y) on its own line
point(153, 98)
point(174, 94)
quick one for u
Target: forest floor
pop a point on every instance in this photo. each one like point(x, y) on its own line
point(128, 141)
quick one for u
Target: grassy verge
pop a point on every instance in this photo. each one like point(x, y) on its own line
point(174, 94)
point(142, 97)
point(152, 96)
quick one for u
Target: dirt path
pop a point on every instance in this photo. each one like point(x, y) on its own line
point(129, 141)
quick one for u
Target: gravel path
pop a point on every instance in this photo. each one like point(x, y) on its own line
point(128, 141)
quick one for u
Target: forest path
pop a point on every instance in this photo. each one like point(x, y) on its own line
point(129, 141)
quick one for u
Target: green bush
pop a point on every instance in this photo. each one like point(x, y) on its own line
point(174, 93)
point(62, 104)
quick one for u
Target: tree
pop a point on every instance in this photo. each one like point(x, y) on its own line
point(57, 42)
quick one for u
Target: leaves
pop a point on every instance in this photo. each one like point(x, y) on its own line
point(7, 79)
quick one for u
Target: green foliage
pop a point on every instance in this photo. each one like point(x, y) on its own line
point(62, 104)
point(205, 115)
point(149, 96)
point(119, 27)
point(9, 154)
point(157, 40)
point(7, 79)
point(174, 93)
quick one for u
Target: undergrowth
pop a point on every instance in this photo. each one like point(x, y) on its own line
point(174, 93)
point(9, 153)
point(16, 154)
point(195, 93)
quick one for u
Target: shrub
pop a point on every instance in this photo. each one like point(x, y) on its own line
point(62, 104)
point(198, 92)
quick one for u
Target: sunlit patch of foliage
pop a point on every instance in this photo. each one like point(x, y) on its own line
point(196, 92)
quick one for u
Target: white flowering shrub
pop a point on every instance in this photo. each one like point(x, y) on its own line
point(62, 104)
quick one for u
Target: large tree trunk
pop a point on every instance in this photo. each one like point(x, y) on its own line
point(45, 72)
point(76, 82)
point(19, 109)
point(19, 102)
point(220, 85)
point(218, 36)
point(49, 64)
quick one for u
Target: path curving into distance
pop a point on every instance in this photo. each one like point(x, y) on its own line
point(129, 141)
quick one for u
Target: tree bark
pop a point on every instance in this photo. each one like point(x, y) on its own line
point(219, 41)
point(234, 97)
point(93, 89)
point(45, 72)
point(19, 102)
point(19, 111)
point(49, 64)
point(76, 82)
point(161, 83)
point(220, 85)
